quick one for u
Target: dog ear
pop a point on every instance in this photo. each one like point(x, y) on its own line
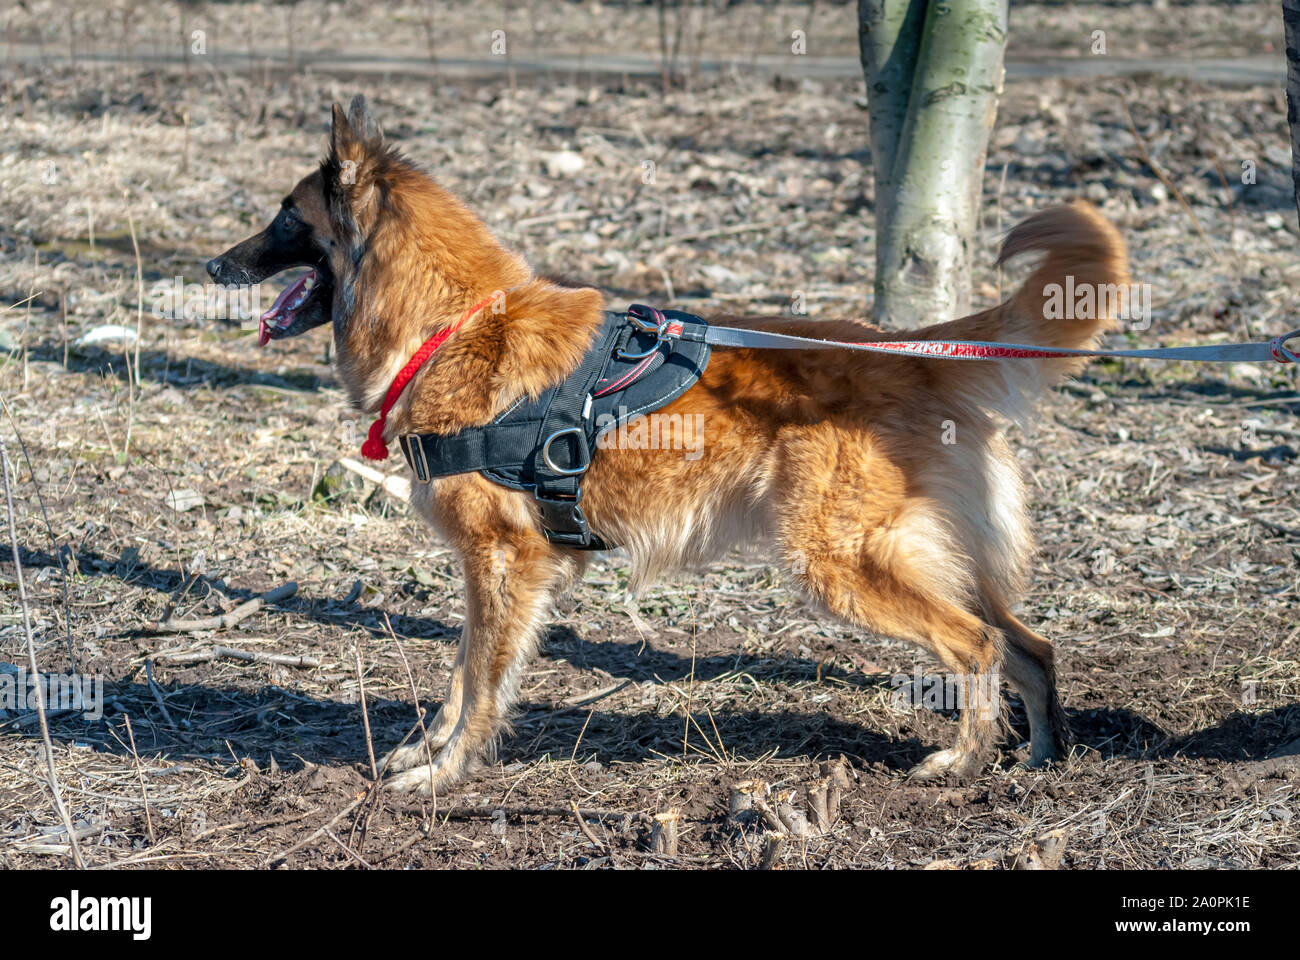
point(351, 172)
point(356, 148)
point(363, 124)
point(341, 130)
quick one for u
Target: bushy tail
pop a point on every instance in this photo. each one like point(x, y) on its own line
point(1085, 255)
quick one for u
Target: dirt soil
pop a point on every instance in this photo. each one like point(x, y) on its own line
point(1163, 495)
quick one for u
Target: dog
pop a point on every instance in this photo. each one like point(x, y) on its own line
point(833, 458)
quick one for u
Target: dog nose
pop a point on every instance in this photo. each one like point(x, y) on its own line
point(214, 268)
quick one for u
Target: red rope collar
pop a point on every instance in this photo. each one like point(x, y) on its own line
point(375, 448)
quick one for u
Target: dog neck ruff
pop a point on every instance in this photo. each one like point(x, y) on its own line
point(375, 448)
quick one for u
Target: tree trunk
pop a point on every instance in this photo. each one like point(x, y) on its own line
point(934, 74)
point(1291, 18)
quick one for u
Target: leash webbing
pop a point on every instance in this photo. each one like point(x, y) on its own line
point(1271, 350)
point(1262, 351)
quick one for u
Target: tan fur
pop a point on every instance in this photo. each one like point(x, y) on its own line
point(833, 459)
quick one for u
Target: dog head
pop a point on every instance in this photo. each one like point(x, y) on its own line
point(322, 224)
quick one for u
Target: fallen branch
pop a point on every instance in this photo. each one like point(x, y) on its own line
point(157, 693)
point(582, 825)
point(252, 656)
point(399, 487)
point(276, 859)
point(733, 230)
point(241, 612)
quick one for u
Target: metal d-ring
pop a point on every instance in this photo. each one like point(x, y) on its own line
point(546, 453)
point(624, 355)
point(645, 327)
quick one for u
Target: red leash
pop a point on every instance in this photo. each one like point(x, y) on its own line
point(375, 448)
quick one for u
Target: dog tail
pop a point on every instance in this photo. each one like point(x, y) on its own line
point(1074, 296)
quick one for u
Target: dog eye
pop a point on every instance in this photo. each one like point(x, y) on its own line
point(289, 219)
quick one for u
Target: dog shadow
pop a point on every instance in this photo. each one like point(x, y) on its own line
point(223, 723)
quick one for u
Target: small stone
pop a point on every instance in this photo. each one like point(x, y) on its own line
point(563, 163)
point(183, 500)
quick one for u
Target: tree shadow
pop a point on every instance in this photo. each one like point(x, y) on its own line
point(184, 373)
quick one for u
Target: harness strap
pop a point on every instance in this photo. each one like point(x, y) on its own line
point(433, 455)
point(562, 456)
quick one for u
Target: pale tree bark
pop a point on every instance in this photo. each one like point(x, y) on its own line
point(1291, 19)
point(934, 74)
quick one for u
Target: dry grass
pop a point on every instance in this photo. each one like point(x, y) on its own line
point(1167, 573)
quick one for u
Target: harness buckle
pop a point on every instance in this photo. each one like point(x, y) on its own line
point(414, 451)
point(563, 521)
point(658, 326)
point(584, 454)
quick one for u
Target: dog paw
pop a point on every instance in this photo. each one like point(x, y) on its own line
point(1040, 758)
point(945, 763)
point(422, 781)
point(404, 758)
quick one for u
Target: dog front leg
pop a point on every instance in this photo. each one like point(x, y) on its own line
point(444, 721)
point(508, 583)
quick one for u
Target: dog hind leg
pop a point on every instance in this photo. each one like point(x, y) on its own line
point(1030, 667)
point(870, 594)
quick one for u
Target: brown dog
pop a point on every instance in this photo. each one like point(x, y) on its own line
point(834, 458)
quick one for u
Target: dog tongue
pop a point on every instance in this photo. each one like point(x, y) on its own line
point(276, 314)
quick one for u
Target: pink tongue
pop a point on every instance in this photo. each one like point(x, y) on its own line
point(273, 315)
point(284, 296)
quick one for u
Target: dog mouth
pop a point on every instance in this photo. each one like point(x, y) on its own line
point(298, 308)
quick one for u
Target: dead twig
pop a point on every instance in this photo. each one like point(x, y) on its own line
point(399, 487)
point(348, 850)
point(1160, 175)
point(49, 530)
point(419, 716)
point(365, 714)
point(35, 668)
point(241, 612)
point(139, 772)
point(281, 857)
point(490, 811)
point(157, 693)
point(582, 825)
point(582, 699)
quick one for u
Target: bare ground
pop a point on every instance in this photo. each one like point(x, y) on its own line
point(1163, 495)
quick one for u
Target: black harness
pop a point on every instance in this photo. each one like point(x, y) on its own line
point(639, 361)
